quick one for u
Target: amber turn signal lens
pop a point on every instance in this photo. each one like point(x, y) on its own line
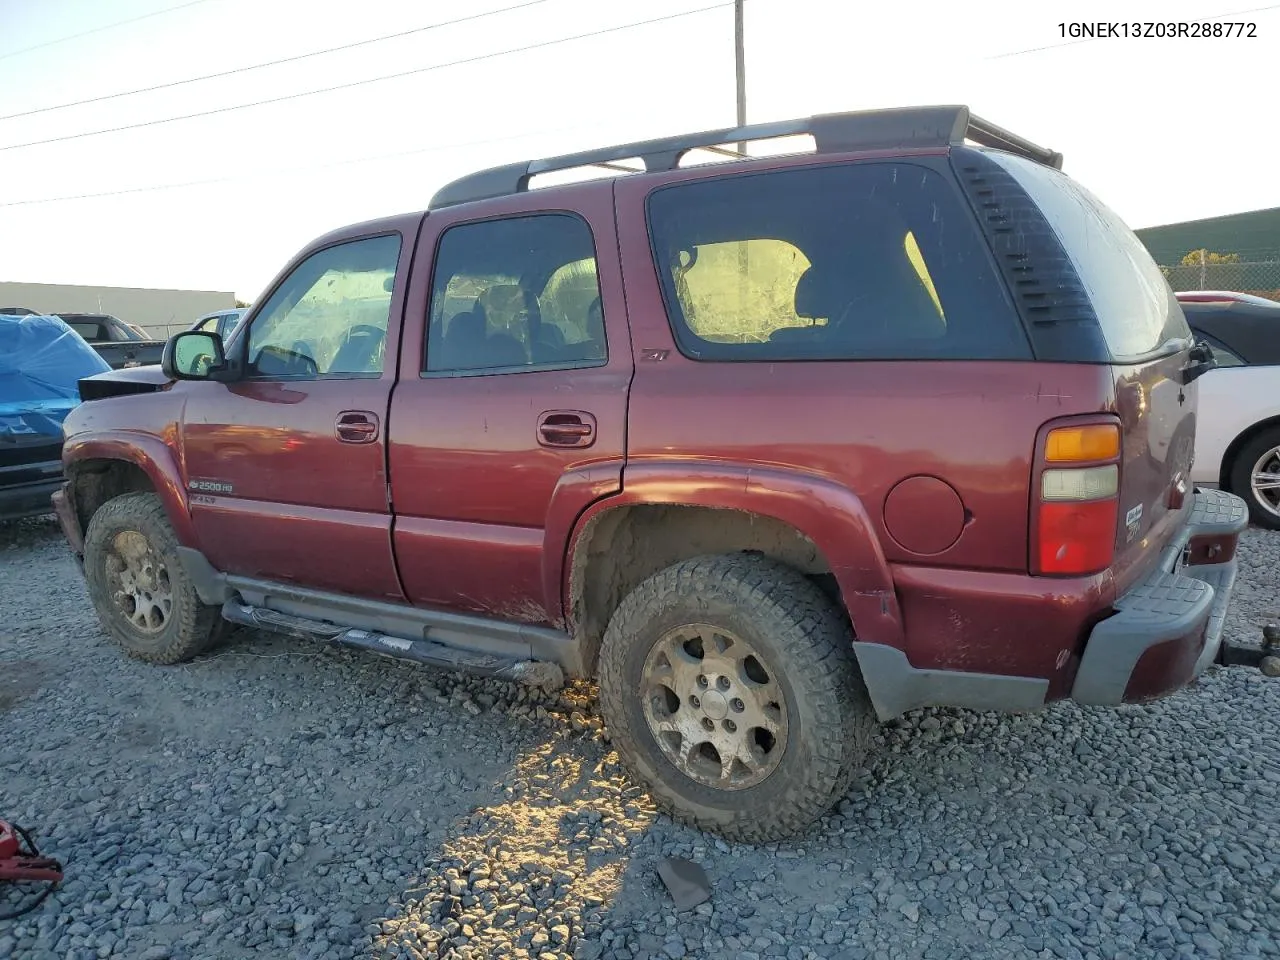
point(1097, 441)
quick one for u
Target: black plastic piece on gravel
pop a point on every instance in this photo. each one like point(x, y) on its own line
point(686, 881)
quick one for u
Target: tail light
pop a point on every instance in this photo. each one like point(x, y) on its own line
point(1077, 500)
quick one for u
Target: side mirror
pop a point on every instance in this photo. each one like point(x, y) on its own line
point(1200, 360)
point(193, 355)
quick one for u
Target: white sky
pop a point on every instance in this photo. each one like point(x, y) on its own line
point(1162, 130)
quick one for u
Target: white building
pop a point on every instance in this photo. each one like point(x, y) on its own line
point(159, 312)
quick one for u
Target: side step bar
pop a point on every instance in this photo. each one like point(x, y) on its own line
point(532, 673)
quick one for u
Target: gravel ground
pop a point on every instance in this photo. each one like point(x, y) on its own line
point(277, 799)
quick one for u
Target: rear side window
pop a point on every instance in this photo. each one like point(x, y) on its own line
point(871, 260)
point(1135, 306)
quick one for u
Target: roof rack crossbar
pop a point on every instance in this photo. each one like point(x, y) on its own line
point(939, 126)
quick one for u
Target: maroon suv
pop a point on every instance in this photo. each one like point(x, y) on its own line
point(773, 447)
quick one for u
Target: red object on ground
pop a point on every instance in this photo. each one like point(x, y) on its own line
point(20, 860)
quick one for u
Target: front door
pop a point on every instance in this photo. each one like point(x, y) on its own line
point(286, 467)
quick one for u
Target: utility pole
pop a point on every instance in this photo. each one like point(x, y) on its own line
point(740, 55)
point(740, 69)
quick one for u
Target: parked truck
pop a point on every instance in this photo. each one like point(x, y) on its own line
point(120, 344)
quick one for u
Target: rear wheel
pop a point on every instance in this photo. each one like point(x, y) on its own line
point(138, 586)
point(730, 690)
point(1255, 476)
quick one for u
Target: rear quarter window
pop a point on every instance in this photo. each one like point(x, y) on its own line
point(866, 260)
point(1135, 305)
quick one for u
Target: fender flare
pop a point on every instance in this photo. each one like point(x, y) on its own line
point(589, 485)
point(830, 515)
point(150, 454)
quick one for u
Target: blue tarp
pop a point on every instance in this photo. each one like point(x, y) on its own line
point(41, 362)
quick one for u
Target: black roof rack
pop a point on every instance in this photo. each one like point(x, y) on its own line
point(832, 133)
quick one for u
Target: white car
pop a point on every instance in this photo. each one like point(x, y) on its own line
point(1238, 430)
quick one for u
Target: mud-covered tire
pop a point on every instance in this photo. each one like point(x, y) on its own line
point(1242, 466)
point(804, 642)
point(189, 627)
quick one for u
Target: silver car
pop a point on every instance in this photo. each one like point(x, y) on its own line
point(221, 322)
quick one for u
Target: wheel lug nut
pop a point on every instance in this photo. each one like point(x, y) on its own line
point(723, 683)
point(738, 705)
point(707, 724)
point(694, 702)
point(702, 681)
point(730, 726)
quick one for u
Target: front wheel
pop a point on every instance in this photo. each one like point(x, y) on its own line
point(138, 586)
point(730, 690)
point(1255, 476)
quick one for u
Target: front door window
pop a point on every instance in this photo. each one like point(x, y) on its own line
point(329, 317)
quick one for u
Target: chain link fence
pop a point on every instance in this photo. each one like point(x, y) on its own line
point(1259, 277)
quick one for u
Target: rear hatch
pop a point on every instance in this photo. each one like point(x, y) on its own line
point(1146, 342)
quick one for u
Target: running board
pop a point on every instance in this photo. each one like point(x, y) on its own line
point(532, 673)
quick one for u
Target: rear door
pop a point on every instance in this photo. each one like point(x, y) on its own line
point(509, 417)
point(1149, 339)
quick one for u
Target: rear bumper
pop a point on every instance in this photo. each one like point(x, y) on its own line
point(1010, 642)
point(27, 499)
point(1167, 629)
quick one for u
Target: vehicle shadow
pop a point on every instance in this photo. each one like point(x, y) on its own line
point(959, 836)
point(563, 859)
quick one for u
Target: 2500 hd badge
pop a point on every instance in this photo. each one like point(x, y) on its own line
point(209, 486)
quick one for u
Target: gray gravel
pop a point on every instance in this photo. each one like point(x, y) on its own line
point(277, 799)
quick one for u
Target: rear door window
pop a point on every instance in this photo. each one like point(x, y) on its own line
point(1136, 308)
point(515, 295)
point(873, 260)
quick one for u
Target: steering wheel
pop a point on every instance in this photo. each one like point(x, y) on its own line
point(362, 331)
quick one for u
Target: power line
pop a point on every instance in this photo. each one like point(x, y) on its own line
point(436, 148)
point(109, 26)
point(1072, 43)
point(359, 83)
point(272, 63)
